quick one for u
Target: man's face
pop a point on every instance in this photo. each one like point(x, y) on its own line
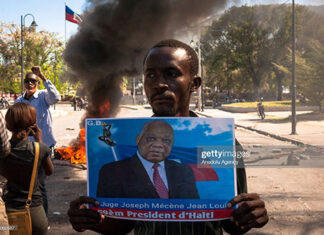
point(31, 83)
point(156, 143)
point(167, 81)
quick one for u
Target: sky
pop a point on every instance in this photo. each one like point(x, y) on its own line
point(50, 14)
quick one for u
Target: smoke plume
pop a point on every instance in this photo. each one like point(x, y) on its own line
point(114, 37)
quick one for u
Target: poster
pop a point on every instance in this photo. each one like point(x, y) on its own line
point(162, 169)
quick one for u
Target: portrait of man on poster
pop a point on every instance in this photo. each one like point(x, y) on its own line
point(148, 173)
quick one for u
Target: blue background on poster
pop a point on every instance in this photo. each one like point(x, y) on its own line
point(189, 133)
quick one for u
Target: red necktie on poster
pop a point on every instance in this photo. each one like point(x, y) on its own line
point(159, 185)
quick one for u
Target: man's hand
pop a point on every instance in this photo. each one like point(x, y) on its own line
point(38, 72)
point(82, 218)
point(251, 212)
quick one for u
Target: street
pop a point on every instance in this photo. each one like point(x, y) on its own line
point(293, 195)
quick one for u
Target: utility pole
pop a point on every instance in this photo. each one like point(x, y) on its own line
point(293, 85)
point(200, 101)
point(200, 91)
point(134, 90)
point(22, 55)
point(22, 30)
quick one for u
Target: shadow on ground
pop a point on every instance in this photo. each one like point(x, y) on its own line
point(313, 116)
point(66, 184)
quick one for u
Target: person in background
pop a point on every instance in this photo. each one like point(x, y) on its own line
point(74, 103)
point(18, 165)
point(41, 100)
point(4, 151)
point(4, 139)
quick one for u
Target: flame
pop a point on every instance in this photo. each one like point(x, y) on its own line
point(76, 153)
point(104, 108)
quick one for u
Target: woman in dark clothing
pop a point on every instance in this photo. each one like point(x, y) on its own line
point(17, 166)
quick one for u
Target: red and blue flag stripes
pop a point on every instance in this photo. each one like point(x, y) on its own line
point(72, 16)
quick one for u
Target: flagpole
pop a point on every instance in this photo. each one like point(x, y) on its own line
point(65, 33)
point(65, 22)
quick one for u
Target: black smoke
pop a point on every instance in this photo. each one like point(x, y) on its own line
point(114, 37)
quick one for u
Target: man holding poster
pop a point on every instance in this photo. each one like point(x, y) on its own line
point(148, 174)
point(170, 71)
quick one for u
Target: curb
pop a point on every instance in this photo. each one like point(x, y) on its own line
point(296, 142)
point(129, 107)
point(234, 109)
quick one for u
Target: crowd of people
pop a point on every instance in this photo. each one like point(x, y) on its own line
point(170, 77)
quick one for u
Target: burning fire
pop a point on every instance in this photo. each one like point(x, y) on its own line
point(105, 107)
point(76, 153)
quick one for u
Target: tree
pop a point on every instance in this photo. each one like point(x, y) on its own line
point(238, 44)
point(249, 48)
point(309, 56)
point(311, 83)
point(40, 48)
point(281, 40)
point(9, 57)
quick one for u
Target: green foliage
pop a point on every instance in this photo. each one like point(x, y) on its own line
point(248, 50)
point(312, 79)
point(235, 48)
point(40, 48)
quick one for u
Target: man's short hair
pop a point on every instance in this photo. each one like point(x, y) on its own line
point(193, 58)
point(30, 73)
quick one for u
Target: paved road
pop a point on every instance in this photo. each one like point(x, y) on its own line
point(310, 127)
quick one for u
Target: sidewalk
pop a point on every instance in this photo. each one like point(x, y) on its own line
point(310, 127)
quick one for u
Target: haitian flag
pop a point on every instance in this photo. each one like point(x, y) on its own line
point(72, 16)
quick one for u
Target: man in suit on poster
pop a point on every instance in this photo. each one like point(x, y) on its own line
point(148, 174)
